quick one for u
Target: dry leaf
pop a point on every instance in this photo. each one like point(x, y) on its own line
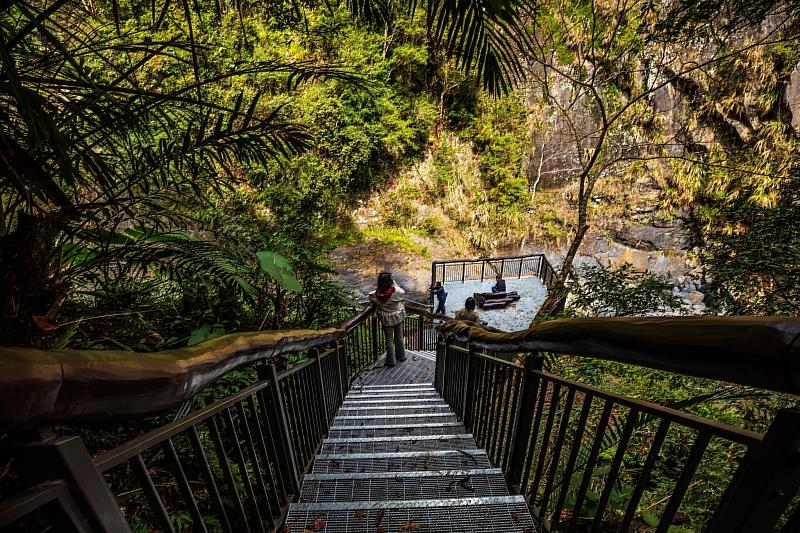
point(379, 518)
point(359, 514)
point(319, 523)
point(408, 526)
point(515, 517)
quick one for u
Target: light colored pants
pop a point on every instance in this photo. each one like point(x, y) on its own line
point(394, 344)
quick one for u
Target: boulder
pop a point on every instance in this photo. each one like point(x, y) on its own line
point(695, 297)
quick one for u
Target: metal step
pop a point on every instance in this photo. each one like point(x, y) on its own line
point(396, 430)
point(390, 394)
point(398, 386)
point(398, 444)
point(401, 461)
point(406, 409)
point(457, 515)
point(397, 402)
point(386, 389)
point(375, 487)
point(420, 418)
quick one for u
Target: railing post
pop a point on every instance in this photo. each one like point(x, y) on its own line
point(420, 333)
point(322, 395)
point(483, 269)
point(48, 457)
point(757, 498)
point(469, 390)
point(277, 420)
point(433, 283)
point(522, 426)
point(441, 362)
point(463, 272)
point(374, 329)
point(341, 361)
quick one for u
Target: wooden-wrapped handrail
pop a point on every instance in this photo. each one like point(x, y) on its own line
point(47, 386)
point(762, 352)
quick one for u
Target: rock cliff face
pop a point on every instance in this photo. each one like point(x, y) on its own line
point(791, 97)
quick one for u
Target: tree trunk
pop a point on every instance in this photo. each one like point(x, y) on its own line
point(26, 285)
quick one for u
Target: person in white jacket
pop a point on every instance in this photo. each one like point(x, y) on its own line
point(388, 299)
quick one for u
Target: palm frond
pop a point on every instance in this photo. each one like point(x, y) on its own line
point(486, 38)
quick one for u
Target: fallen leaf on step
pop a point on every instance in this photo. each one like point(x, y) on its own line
point(359, 514)
point(408, 526)
point(319, 523)
point(515, 517)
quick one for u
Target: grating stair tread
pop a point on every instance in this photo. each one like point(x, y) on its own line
point(486, 515)
point(428, 485)
point(401, 462)
point(376, 420)
point(398, 459)
point(399, 403)
point(398, 444)
point(437, 428)
point(389, 410)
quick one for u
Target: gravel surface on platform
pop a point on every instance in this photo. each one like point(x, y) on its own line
point(514, 317)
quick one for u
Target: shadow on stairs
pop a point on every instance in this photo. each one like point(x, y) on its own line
point(397, 460)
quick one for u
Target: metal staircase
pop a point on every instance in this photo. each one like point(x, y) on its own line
point(397, 459)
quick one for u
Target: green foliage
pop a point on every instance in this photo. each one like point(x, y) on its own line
point(279, 269)
point(753, 260)
point(501, 136)
point(622, 291)
point(396, 239)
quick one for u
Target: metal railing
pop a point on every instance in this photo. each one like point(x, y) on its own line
point(232, 466)
point(521, 266)
point(585, 458)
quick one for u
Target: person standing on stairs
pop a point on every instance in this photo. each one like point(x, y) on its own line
point(388, 299)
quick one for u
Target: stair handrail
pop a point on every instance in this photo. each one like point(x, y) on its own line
point(49, 386)
point(762, 352)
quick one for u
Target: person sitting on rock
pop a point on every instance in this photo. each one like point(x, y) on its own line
point(499, 285)
point(468, 314)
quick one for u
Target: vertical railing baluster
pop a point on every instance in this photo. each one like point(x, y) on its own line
point(514, 409)
point(557, 447)
point(276, 485)
point(243, 473)
point(213, 488)
point(469, 390)
point(222, 458)
point(590, 463)
point(374, 328)
point(257, 468)
point(768, 483)
point(149, 488)
point(569, 469)
point(502, 412)
point(530, 385)
point(322, 397)
point(611, 477)
point(277, 420)
point(555, 399)
point(527, 464)
point(185, 488)
point(689, 469)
